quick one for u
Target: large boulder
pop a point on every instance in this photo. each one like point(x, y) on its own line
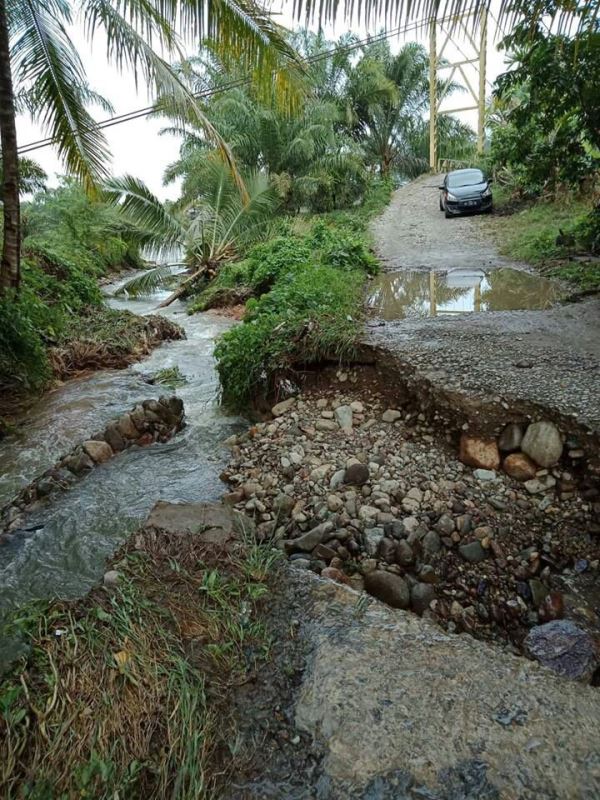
point(476, 451)
point(390, 588)
point(281, 408)
point(309, 540)
point(421, 596)
point(114, 438)
point(519, 466)
point(126, 427)
point(343, 414)
point(212, 523)
point(543, 443)
point(563, 647)
point(511, 437)
point(99, 452)
point(472, 551)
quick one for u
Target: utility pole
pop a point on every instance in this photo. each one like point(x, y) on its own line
point(470, 65)
point(433, 101)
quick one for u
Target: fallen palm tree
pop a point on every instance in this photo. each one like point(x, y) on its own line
point(212, 230)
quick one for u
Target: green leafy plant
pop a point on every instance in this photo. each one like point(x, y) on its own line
point(216, 227)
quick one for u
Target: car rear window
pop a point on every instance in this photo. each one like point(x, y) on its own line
point(469, 178)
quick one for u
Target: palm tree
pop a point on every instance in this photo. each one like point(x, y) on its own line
point(307, 154)
point(217, 225)
point(387, 95)
point(39, 60)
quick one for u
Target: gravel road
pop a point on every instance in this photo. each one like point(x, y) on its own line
point(413, 233)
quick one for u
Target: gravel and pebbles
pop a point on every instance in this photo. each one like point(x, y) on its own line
point(377, 498)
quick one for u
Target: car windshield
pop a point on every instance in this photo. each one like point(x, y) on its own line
point(467, 178)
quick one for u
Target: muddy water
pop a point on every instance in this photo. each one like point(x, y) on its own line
point(421, 293)
point(64, 549)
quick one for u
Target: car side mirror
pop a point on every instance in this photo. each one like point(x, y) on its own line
point(490, 180)
point(442, 188)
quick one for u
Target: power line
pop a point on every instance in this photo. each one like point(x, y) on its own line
point(143, 112)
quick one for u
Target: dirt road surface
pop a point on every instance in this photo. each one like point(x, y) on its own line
point(413, 233)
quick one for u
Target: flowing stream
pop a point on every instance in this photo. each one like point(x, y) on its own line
point(68, 540)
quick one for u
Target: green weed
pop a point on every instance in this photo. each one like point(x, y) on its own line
point(170, 376)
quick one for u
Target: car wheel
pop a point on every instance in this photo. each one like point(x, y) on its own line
point(441, 205)
point(447, 214)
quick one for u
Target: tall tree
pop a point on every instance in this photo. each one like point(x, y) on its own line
point(386, 96)
point(39, 60)
point(11, 245)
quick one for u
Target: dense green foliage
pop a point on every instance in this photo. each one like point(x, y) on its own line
point(217, 224)
point(364, 115)
point(308, 309)
point(70, 242)
point(546, 121)
point(545, 144)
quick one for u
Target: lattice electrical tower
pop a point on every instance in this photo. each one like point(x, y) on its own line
point(468, 29)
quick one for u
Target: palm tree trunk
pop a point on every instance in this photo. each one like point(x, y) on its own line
point(9, 264)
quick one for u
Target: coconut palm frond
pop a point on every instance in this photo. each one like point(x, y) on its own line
point(46, 62)
point(146, 283)
point(127, 47)
point(562, 17)
point(162, 231)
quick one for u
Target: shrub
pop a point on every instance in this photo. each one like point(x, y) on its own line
point(310, 315)
point(69, 242)
point(23, 359)
point(267, 262)
point(343, 248)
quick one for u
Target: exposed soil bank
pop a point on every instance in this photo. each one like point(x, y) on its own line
point(101, 339)
point(127, 338)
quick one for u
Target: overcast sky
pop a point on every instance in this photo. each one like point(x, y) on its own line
point(138, 149)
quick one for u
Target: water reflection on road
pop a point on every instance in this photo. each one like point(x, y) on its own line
point(421, 293)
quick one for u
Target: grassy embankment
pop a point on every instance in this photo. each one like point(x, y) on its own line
point(528, 232)
point(306, 300)
point(127, 693)
point(57, 324)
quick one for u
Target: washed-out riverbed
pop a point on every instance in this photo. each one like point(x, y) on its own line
point(64, 549)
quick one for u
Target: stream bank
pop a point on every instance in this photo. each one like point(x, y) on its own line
point(67, 541)
point(289, 687)
point(98, 338)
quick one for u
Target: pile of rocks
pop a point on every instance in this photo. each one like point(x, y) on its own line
point(525, 452)
point(375, 498)
point(147, 422)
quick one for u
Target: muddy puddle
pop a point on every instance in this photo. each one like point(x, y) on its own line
point(421, 293)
